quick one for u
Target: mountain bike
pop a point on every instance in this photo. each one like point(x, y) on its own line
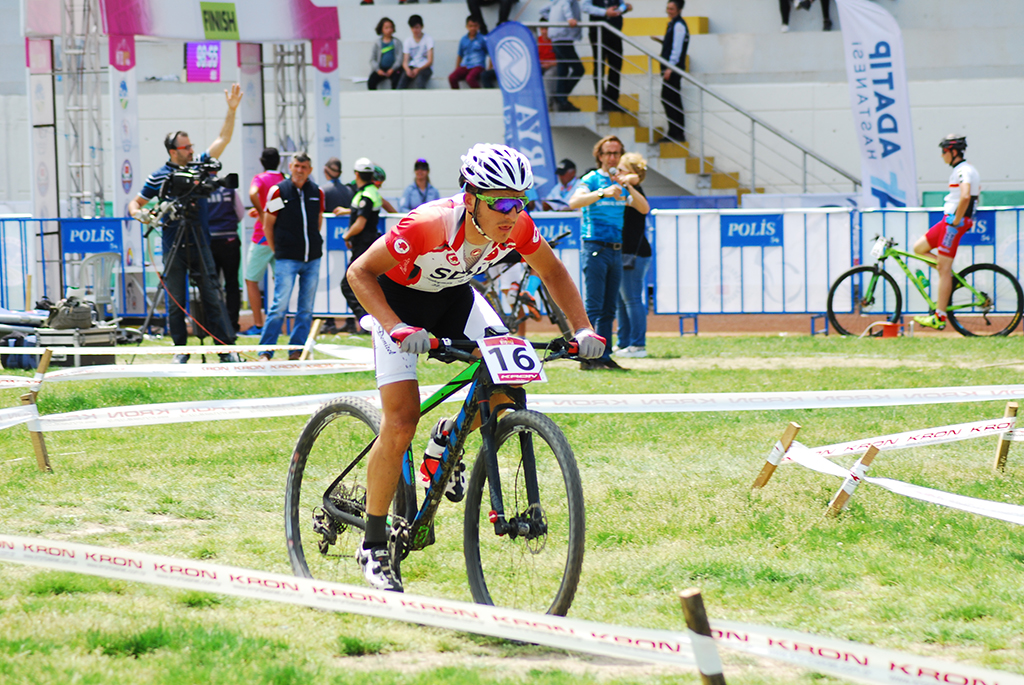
point(523, 544)
point(523, 306)
point(986, 300)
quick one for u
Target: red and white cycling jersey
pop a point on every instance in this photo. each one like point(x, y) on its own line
point(428, 244)
point(963, 172)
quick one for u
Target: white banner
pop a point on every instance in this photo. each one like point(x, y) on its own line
point(877, 73)
point(840, 658)
point(124, 125)
point(1011, 513)
point(327, 83)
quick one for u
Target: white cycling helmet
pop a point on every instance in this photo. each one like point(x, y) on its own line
point(496, 167)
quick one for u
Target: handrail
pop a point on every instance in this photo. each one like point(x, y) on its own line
point(705, 89)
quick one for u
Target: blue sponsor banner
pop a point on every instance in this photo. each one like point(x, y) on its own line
point(513, 51)
point(336, 227)
point(982, 233)
point(552, 227)
point(751, 230)
point(87, 236)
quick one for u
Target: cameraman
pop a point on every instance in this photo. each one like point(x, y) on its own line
point(194, 254)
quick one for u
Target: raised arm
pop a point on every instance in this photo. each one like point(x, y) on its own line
point(234, 98)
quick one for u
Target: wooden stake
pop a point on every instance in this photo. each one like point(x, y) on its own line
point(704, 649)
point(28, 293)
point(1003, 447)
point(776, 456)
point(839, 502)
point(38, 444)
point(307, 349)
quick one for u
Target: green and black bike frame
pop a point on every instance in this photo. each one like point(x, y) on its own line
point(931, 261)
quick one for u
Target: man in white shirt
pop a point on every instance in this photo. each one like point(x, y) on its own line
point(417, 56)
point(958, 218)
point(558, 199)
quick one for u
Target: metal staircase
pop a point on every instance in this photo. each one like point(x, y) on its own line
point(727, 148)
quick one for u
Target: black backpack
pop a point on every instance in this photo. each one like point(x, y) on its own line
point(18, 361)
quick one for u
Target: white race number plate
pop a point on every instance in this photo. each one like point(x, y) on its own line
point(511, 360)
point(878, 249)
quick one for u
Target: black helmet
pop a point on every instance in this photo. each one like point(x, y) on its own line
point(953, 142)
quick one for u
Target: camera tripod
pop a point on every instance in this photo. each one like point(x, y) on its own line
point(207, 300)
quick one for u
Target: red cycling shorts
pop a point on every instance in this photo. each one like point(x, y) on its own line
point(946, 237)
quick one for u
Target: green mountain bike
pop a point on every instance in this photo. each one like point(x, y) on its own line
point(524, 525)
point(987, 300)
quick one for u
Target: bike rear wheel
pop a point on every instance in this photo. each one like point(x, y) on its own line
point(537, 571)
point(1000, 310)
point(853, 304)
point(320, 545)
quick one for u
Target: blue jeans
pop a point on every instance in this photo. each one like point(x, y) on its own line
point(602, 274)
point(632, 310)
point(285, 272)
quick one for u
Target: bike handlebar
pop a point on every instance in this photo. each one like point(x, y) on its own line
point(462, 350)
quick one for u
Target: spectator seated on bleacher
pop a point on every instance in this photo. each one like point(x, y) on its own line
point(386, 58)
point(472, 57)
point(417, 56)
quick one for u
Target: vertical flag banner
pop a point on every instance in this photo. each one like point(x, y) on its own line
point(250, 56)
point(328, 111)
point(877, 73)
point(513, 51)
point(39, 60)
point(124, 123)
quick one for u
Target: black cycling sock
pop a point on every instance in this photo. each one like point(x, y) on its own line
point(376, 531)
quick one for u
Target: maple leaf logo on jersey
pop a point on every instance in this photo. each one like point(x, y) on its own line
point(452, 259)
point(401, 247)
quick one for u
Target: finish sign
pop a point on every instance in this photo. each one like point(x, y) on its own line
point(511, 360)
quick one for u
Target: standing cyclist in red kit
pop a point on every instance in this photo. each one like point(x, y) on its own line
point(957, 210)
point(415, 283)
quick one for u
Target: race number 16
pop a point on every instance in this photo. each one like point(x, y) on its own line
point(511, 360)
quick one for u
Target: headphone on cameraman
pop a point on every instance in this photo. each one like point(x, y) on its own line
point(171, 141)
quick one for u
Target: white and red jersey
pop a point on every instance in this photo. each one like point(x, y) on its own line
point(963, 172)
point(428, 244)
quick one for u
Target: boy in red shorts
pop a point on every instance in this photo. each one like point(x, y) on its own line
point(944, 237)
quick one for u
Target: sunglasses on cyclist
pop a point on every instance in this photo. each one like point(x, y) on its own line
point(503, 204)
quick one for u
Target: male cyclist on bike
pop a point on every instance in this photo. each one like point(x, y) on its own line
point(958, 210)
point(415, 282)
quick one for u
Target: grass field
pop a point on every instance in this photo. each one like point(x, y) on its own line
point(669, 506)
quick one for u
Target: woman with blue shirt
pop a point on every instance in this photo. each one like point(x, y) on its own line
point(419, 191)
point(472, 58)
point(386, 58)
point(604, 194)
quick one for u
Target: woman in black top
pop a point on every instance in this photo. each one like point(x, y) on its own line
point(632, 306)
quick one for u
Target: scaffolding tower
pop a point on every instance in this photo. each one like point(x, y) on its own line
point(81, 74)
point(290, 97)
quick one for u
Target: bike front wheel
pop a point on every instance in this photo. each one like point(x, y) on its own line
point(996, 310)
point(538, 569)
point(322, 545)
point(862, 296)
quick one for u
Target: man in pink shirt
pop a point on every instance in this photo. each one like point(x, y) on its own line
point(260, 254)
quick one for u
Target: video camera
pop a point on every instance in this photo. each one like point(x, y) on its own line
point(197, 179)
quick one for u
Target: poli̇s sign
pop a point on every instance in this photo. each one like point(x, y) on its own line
point(751, 230)
point(87, 236)
point(513, 51)
point(336, 227)
point(552, 227)
point(982, 233)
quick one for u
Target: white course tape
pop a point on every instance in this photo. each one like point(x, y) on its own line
point(705, 652)
point(139, 351)
point(18, 415)
point(1016, 435)
point(279, 368)
point(1010, 513)
point(763, 401)
point(851, 660)
point(184, 412)
point(16, 382)
point(826, 655)
point(778, 451)
point(918, 438)
point(553, 631)
point(346, 352)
